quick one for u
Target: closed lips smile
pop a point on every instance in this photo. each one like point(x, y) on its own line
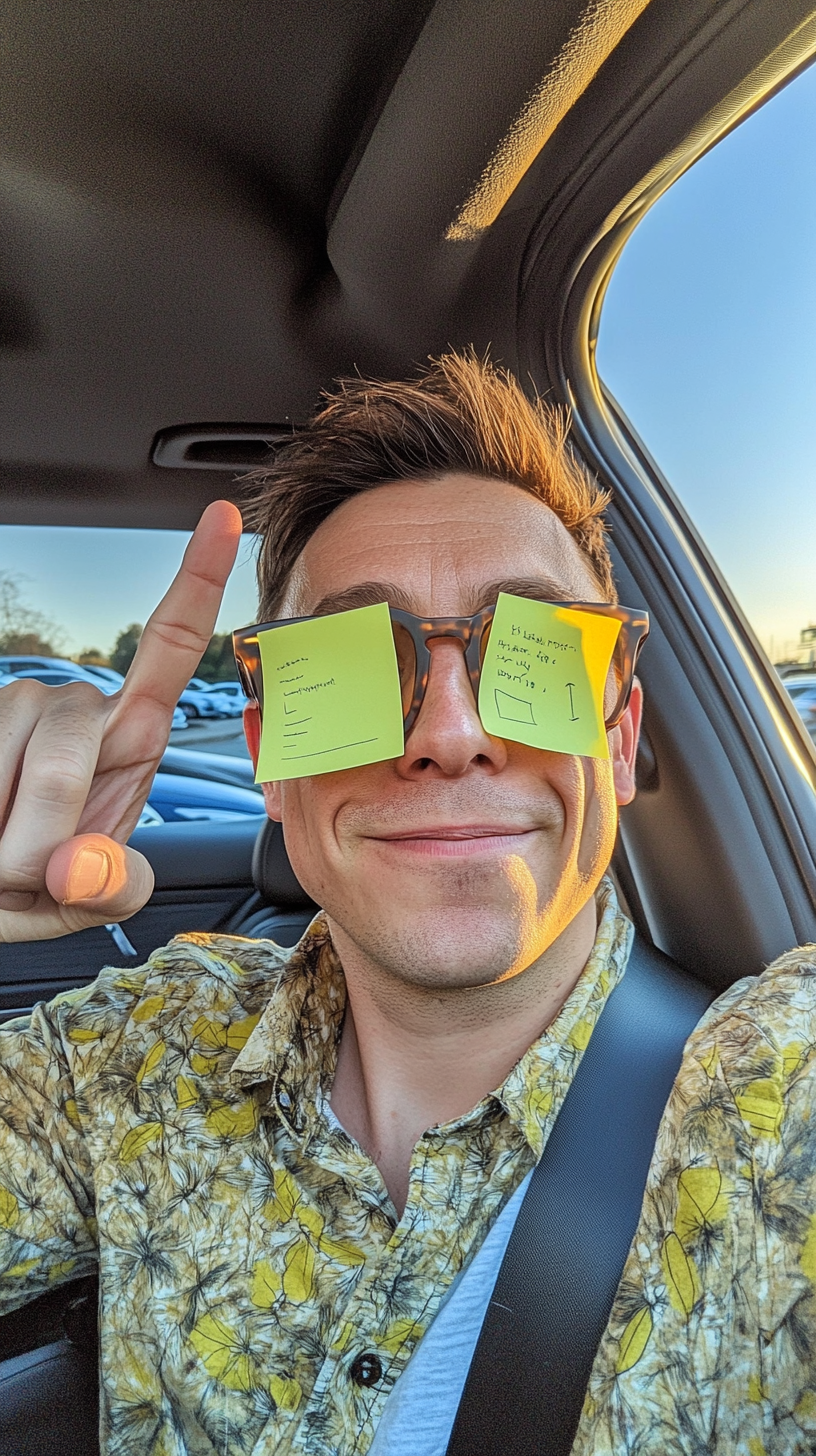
point(451, 841)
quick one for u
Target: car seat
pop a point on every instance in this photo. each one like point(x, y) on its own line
point(279, 909)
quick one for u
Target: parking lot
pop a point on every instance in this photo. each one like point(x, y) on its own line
point(222, 735)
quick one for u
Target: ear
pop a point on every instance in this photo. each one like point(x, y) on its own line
point(623, 744)
point(252, 733)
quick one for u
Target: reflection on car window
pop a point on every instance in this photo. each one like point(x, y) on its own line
point(706, 341)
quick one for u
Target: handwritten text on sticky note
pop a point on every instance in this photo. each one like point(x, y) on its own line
point(544, 676)
point(331, 695)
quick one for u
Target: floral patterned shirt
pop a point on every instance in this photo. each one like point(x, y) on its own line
point(259, 1295)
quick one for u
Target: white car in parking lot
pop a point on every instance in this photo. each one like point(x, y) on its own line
point(208, 701)
point(234, 691)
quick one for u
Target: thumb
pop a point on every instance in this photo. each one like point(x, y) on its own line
point(98, 880)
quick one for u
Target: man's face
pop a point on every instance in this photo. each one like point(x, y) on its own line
point(461, 862)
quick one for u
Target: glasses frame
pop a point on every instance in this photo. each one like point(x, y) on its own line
point(470, 631)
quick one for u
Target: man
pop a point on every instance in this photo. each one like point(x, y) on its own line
point(296, 1171)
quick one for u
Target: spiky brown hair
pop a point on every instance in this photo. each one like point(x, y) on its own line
point(463, 415)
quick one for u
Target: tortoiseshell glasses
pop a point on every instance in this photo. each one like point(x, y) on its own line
point(412, 636)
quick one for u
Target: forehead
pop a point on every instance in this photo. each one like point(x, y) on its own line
point(440, 541)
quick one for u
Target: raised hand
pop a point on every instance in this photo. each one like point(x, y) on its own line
point(76, 766)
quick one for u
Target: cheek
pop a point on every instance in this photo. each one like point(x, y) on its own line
point(314, 817)
point(307, 815)
point(561, 778)
point(600, 817)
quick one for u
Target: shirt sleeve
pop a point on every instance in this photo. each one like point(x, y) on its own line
point(711, 1345)
point(47, 1224)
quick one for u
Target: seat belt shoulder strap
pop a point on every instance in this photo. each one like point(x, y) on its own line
point(557, 1282)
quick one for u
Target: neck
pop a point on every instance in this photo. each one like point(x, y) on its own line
point(411, 1057)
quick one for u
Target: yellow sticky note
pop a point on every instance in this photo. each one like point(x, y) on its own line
point(331, 695)
point(544, 675)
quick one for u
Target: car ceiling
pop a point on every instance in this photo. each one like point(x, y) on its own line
point(210, 210)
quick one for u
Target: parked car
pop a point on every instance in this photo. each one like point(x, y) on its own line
point(220, 768)
point(805, 704)
point(175, 797)
point(198, 685)
point(107, 674)
point(18, 663)
point(197, 704)
point(199, 700)
point(232, 690)
point(56, 677)
point(798, 684)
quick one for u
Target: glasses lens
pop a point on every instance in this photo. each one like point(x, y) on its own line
point(407, 663)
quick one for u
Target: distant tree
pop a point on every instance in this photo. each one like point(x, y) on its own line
point(24, 631)
point(93, 657)
point(28, 644)
point(124, 648)
point(218, 662)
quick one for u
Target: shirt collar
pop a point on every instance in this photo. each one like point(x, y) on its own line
point(294, 1045)
point(535, 1088)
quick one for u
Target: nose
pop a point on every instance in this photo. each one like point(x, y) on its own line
point(447, 738)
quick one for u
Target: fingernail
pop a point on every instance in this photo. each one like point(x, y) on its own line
point(89, 875)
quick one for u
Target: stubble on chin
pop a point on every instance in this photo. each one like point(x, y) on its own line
point(470, 937)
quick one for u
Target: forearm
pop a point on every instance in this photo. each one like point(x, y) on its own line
point(47, 1226)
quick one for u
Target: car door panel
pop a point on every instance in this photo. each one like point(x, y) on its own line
point(49, 1399)
point(203, 875)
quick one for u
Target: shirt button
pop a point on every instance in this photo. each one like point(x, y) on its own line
point(366, 1369)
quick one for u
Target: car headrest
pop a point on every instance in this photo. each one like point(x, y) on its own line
point(272, 873)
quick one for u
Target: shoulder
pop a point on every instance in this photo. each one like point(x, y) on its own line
point(200, 987)
point(763, 1027)
point(745, 1090)
point(716, 1311)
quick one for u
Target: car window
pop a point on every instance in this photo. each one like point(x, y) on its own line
point(706, 342)
point(72, 604)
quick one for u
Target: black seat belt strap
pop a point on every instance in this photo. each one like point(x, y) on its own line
point(556, 1285)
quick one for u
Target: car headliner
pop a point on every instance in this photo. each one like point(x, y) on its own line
point(211, 209)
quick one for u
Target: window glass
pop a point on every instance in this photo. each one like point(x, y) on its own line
point(708, 342)
point(82, 596)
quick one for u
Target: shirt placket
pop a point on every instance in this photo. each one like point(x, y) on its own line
point(363, 1357)
point(362, 1368)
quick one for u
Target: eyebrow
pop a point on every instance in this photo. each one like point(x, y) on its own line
point(365, 594)
point(370, 593)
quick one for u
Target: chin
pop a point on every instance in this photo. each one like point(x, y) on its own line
point(445, 949)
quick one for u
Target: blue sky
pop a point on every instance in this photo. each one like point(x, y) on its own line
point(94, 583)
point(707, 339)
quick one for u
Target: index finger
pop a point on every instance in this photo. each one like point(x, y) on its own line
point(177, 634)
